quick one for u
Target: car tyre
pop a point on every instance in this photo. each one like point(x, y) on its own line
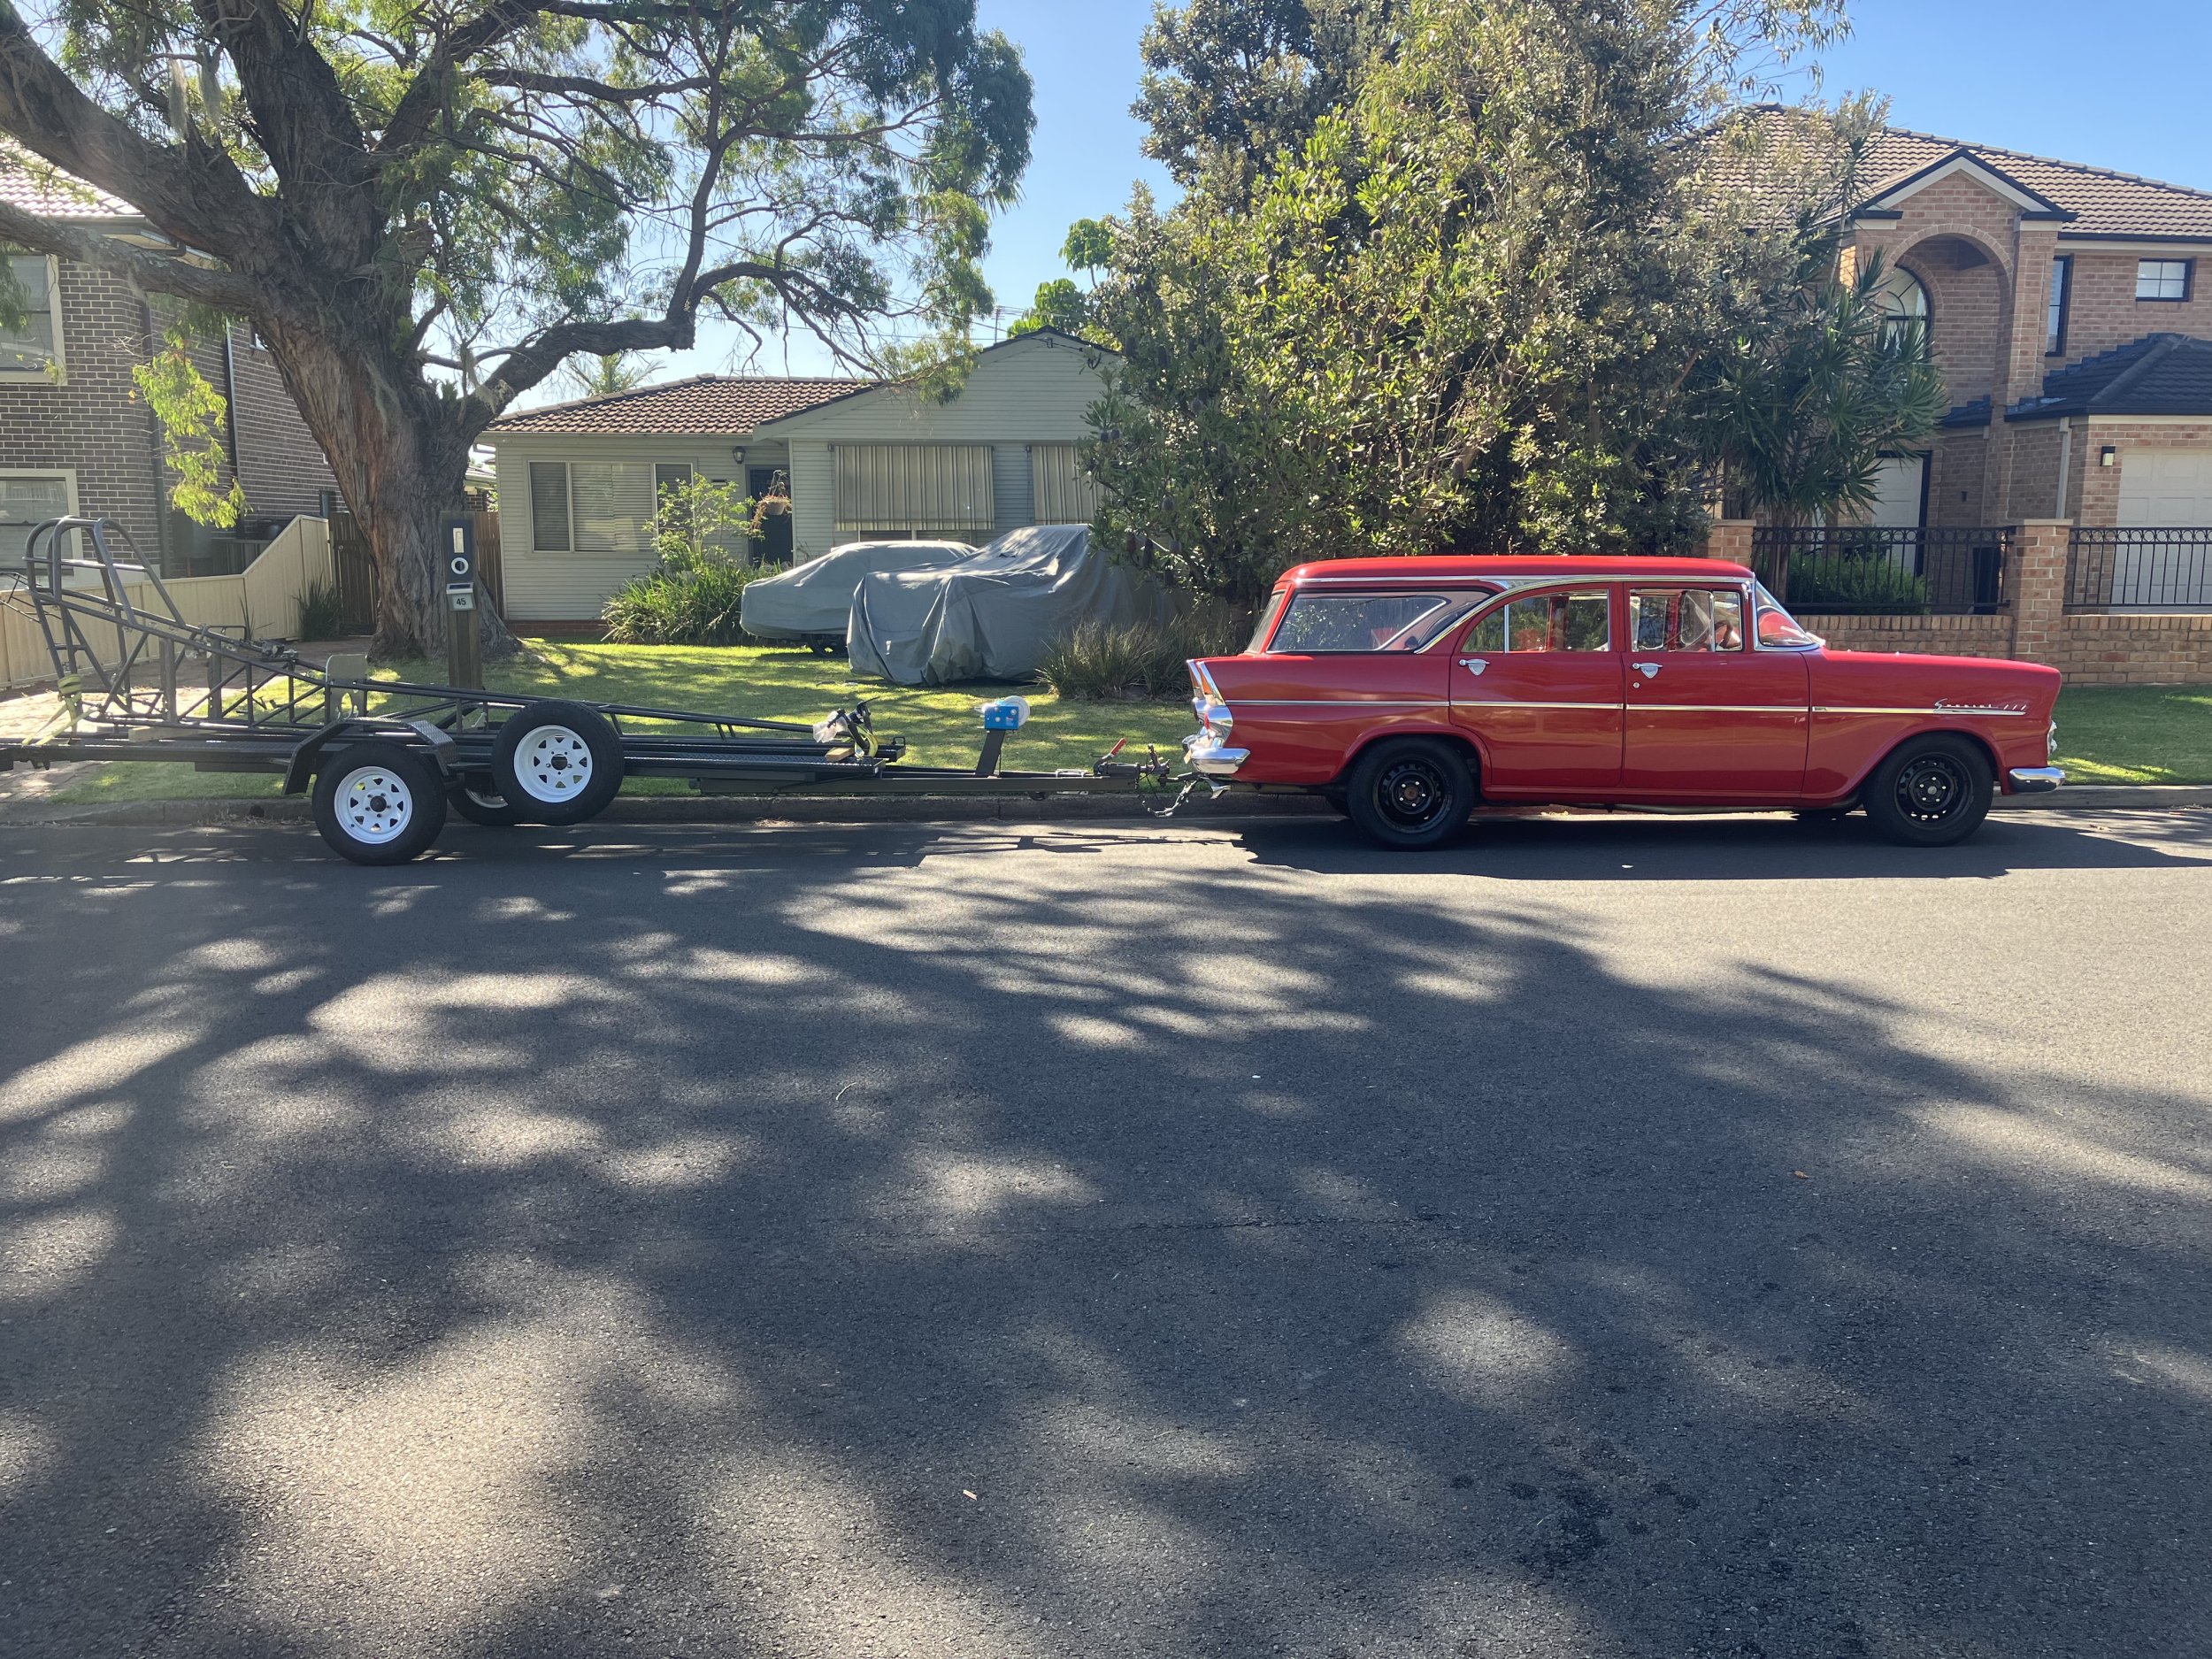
point(378, 803)
point(1410, 794)
point(1930, 792)
point(557, 763)
point(476, 800)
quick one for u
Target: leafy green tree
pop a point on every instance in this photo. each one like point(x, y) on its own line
point(605, 374)
point(1229, 84)
point(1475, 308)
point(425, 211)
point(1061, 304)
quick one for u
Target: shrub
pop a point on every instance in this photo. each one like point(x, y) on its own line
point(322, 613)
point(1842, 582)
point(1095, 660)
point(681, 604)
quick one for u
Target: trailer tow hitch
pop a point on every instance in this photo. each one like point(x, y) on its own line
point(1153, 776)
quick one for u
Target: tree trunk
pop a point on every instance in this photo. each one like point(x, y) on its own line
point(401, 459)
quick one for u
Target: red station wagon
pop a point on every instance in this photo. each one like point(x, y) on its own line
point(1407, 689)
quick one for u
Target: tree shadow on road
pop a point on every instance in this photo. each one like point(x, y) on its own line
point(739, 1249)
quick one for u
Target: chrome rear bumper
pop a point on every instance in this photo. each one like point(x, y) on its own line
point(1209, 758)
point(2034, 780)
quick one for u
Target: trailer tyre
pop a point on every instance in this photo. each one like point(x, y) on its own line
point(477, 801)
point(378, 803)
point(557, 763)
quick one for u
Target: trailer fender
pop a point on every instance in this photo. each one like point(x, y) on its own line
point(299, 771)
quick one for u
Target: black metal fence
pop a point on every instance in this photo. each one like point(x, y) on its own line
point(2154, 569)
point(1880, 570)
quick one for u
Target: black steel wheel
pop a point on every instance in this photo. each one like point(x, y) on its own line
point(557, 763)
point(1930, 791)
point(1410, 793)
point(378, 803)
point(478, 801)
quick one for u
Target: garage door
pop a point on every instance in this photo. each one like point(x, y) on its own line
point(2164, 489)
point(2165, 486)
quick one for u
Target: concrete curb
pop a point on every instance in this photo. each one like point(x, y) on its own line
point(945, 808)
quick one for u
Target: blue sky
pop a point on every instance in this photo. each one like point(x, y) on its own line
point(2120, 86)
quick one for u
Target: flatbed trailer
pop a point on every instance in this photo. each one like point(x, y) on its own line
point(384, 760)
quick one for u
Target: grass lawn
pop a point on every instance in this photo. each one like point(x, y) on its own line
point(940, 726)
point(2135, 734)
point(2107, 733)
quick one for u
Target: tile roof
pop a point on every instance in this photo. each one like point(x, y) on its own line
point(720, 405)
point(2101, 201)
point(2159, 374)
point(37, 186)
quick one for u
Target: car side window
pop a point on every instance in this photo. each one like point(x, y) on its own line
point(1318, 623)
point(1580, 621)
point(1686, 619)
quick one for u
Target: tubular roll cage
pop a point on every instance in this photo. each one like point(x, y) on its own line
point(175, 690)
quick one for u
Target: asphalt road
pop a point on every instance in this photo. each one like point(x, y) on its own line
point(1602, 1239)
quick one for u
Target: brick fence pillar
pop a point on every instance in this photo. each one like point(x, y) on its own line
point(2039, 559)
point(1729, 539)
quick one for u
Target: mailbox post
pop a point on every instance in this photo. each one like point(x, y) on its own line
point(463, 651)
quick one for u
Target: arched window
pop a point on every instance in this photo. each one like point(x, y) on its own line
point(1903, 301)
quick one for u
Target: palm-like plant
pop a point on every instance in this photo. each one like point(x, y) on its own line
point(1803, 416)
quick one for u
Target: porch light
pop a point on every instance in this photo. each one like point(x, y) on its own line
point(2109, 456)
point(737, 453)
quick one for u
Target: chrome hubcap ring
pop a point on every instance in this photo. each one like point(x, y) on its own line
point(553, 763)
point(374, 806)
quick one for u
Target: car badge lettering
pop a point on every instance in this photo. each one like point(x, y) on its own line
point(1959, 705)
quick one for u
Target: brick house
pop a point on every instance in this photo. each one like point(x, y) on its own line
point(2066, 306)
point(2063, 512)
point(76, 436)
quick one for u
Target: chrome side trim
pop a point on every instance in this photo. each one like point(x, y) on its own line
point(1938, 709)
point(1343, 703)
point(1721, 708)
point(1501, 703)
point(2035, 780)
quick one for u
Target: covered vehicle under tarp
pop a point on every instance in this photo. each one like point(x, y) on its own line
point(992, 616)
point(813, 602)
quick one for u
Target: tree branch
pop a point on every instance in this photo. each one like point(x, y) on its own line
point(157, 273)
point(190, 193)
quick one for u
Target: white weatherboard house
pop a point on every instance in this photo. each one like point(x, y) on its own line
point(864, 460)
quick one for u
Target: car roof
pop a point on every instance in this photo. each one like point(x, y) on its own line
point(1465, 567)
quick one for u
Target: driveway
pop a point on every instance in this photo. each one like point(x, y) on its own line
point(1606, 1237)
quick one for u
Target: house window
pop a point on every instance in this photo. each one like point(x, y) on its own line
point(671, 475)
point(2162, 278)
point(549, 507)
point(1903, 301)
point(1065, 493)
point(920, 489)
point(26, 500)
point(31, 346)
point(2054, 317)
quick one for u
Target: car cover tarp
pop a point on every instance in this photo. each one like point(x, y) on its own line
point(992, 616)
point(815, 600)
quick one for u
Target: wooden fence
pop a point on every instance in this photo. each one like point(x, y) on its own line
point(262, 601)
point(357, 570)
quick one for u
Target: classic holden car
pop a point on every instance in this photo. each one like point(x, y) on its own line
point(1407, 690)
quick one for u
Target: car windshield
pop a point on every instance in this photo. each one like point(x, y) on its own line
point(1370, 622)
point(1778, 629)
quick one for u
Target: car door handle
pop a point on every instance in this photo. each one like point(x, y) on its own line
point(1649, 670)
point(1474, 664)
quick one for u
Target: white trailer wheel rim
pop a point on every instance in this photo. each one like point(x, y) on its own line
point(374, 805)
point(553, 763)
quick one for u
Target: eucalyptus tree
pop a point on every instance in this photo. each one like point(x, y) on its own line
point(424, 207)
